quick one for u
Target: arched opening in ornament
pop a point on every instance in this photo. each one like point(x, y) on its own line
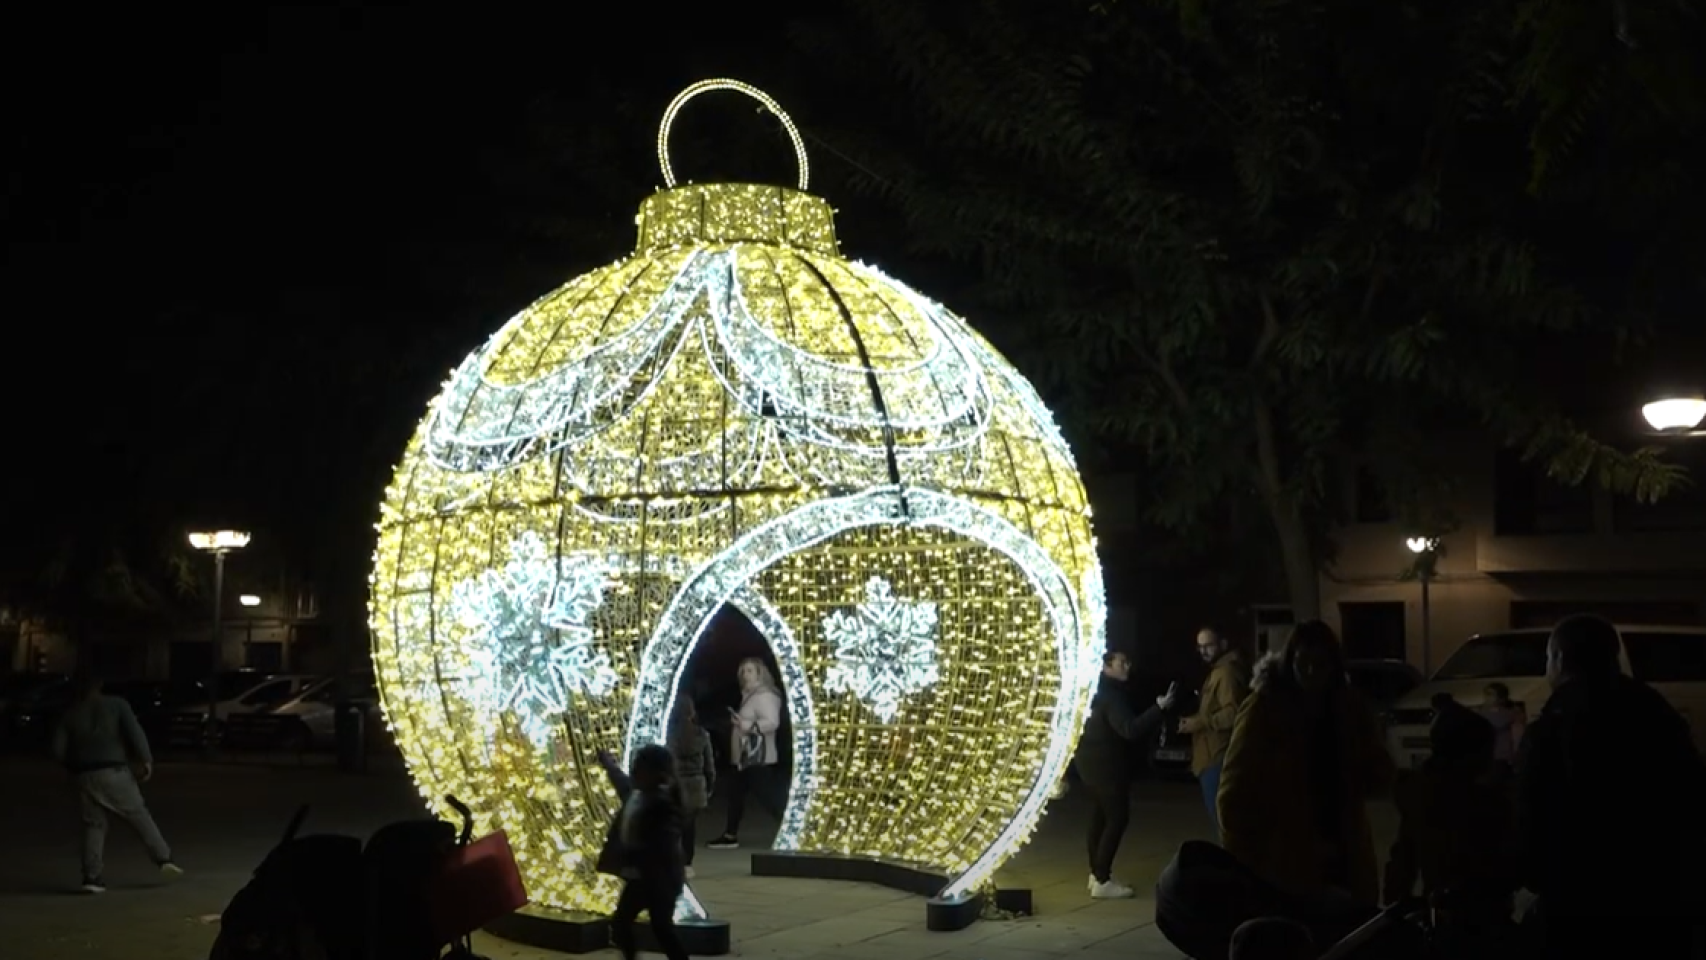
point(711, 681)
point(930, 653)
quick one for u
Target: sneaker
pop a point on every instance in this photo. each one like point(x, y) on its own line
point(1090, 884)
point(93, 886)
point(170, 870)
point(1112, 890)
point(727, 841)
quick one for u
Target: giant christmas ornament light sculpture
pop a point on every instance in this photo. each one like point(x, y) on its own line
point(738, 415)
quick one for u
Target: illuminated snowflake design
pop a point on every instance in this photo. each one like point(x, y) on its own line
point(532, 646)
point(884, 649)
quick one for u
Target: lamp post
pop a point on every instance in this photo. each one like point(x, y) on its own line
point(219, 543)
point(1426, 550)
point(1675, 414)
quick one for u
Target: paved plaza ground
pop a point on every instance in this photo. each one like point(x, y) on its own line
point(223, 818)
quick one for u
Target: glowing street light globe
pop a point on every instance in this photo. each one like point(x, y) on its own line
point(736, 415)
point(1675, 413)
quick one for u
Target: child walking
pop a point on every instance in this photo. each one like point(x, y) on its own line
point(1455, 835)
point(643, 847)
point(695, 771)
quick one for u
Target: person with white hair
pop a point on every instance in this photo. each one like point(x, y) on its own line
point(752, 748)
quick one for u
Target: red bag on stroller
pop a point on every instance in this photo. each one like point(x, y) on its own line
point(478, 883)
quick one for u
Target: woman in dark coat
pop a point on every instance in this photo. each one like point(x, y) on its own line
point(1306, 757)
point(695, 770)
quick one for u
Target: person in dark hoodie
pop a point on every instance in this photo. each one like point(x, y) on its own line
point(1609, 795)
point(643, 847)
point(98, 740)
point(1104, 761)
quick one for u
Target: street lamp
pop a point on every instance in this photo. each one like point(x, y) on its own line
point(1675, 414)
point(249, 600)
point(219, 543)
point(1426, 550)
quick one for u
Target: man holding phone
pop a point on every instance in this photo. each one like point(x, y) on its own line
point(1210, 729)
point(1106, 766)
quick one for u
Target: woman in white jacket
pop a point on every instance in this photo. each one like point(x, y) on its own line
point(752, 748)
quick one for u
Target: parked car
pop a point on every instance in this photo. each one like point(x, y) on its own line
point(33, 702)
point(237, 692)
point(1671, 659)
point(151, 701)
point(306, 721)
point(1382, 682)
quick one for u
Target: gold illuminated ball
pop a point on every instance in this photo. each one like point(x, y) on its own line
point(738, 415)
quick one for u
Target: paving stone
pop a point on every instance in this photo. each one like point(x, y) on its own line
point(222, 818)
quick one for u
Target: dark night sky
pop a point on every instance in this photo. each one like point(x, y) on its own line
point(243, 247)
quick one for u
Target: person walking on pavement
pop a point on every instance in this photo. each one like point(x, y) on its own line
point(1210, 729)
point(98, 740)
point(1111, 734)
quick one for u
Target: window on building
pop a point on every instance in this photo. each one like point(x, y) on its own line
point(265, 657)
point(1372, 631)
point(1547, 613)
point(1526, 501)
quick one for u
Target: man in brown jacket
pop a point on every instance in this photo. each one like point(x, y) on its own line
point(1210, 729)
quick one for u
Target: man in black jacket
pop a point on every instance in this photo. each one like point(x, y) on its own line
point(1609, 795)
point(1105, 765)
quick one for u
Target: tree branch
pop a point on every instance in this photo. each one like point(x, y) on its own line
point(1159, 364)
point(1270, 330)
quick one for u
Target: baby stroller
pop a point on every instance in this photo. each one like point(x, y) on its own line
point(402, 896)
point(1204, 894)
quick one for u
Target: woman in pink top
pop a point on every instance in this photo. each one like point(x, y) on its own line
point(752, 747)
point(1508, 720)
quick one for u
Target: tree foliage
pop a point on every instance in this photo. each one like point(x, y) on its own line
point(1255, 240)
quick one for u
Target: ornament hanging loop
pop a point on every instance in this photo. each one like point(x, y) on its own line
point(706, 86)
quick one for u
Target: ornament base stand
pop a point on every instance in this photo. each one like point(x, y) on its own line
point(589, 932)
point(939, 914)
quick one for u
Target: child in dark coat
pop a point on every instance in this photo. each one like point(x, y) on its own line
point(643, 847)
point(1455, 834)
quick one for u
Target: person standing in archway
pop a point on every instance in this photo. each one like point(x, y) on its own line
point(752, 749)
point(1210, 729)
point(1112, 734)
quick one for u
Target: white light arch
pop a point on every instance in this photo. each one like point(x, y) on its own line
point(727, 578)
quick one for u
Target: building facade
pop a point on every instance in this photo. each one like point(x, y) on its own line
point(1527, 551)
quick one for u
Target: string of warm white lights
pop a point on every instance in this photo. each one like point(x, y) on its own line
point(736, 416)
point(706, 86)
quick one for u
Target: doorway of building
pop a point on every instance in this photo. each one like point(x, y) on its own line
point(1372, 630)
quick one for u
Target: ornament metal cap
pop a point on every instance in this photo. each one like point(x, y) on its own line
point(723, 213)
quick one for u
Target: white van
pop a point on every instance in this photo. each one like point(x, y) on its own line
point(1671, 659)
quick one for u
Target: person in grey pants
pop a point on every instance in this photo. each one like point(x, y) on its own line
point(98, 739)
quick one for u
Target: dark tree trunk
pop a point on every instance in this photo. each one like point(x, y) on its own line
point(1297, 552)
